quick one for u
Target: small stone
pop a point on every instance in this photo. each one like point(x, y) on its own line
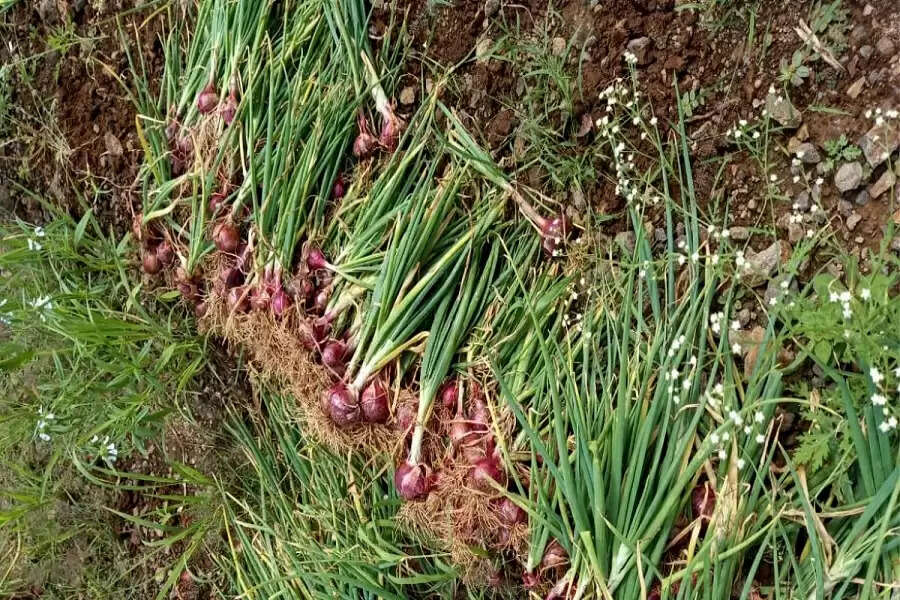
point(743, 316)
point(578, 198)
point(625, 239)
point(856, 88)
point(802, 201)
point(803, 133)
point(849, 176)
point(761, 265)
point(880, 142)
point(558, 46)
point(865, 51)
point(408, 95)
point(795, 232)
point(859, 239)
point(659, 234)
point(740, 233)
point(885, 46)
point(853, 220)
point(640, 47)
point(491, 7)
point(884, 183)
point(808, 153)
point(774, 289)
point(482, 48)
point(793, 145)
point(845, 208)
point(867, 10)
point(113, 145)
point(858, 34)
point(781, 109)
point(862, 198)
point(752, 204)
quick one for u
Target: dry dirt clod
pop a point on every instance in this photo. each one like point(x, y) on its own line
point(856, 87)
point(113, 145)
point(885, 46)
point(408, 95)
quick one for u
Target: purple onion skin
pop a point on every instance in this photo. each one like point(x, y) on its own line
point(150, 262)
point(554, 232)
point(389, 137)
point(364, 145)
point(703, 501)
point(412, 481)
point(510, 512)
point(281, 303)
point(237, 299)
point(315, 260)
point(229, 109)
point(200, 309)
point(480, 416)
point(450, 394)
point(320, 304)
point(337, 191)
point(226, 237)
point(207, 100)
point(216, 202)
point(231, 277)
point(306, 335)
point(486, 472)
point(374, 402)
point(260, 300)
point(165, 254)
point(405, 417)
point(554, 556)
point(333, 355)
point(530, 580)
point(342, 408)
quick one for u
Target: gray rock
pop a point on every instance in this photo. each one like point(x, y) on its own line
point(744, 316)
point(849, 176)
point(866, 51)
point(880, 142)
point(774, 289)
point(491, 7)
point(844, 207)
point(577, 198)
point(885, 46)
point(853, 220)
point(876, 75)
point(808, 153)
point(740, 233)
point(862, 198)
point(802, 201)
point(640, 47)
point(884, 183)
point(752, 204)
point(660, 234)
point(626, 240)
point(859, 33)
point(113, 145)
point(795, 232)
point(781, 109)
point(868, 9)
point(761, 265)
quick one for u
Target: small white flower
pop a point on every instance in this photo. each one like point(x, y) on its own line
point(747, 430)
point(736, 348)
point(773, 301)
point(773, 177)
point(653, 121)
point(722, 455)
point(740, 463)
point(760, 438)
point(884, 427)
point(784, 284)
point(715, 438)
point(755, 135)
point(892, 422)
point(686, 384)
point(833, 297)
point(735, 325)
point(726, 436)
point(676, 399)
point(846, 296)
point(876, 375)
point(865, 293)
point(879, 399)
point(819, 181)
point(44, 437)
point(759, 417)
point(719, 388)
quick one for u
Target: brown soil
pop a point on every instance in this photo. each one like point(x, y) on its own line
point(73, 123)
point(714, 60)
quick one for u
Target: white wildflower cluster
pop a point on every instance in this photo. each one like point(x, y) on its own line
point(680, 385)
point(743, 131)
point(693, 257)
point(879, 399)
point(107, 450)
point(623, 107)
point(33, 243)
point(885, 119)
point(43, 304)
point(780, 293)
point(843, 298)
point(755, 427)
point(573, 321)
point(45, 419)
point(630, 58)
point(5, 318)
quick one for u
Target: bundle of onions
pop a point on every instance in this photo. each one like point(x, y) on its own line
point(451, 324)
point(554, 231)
point(392, 126)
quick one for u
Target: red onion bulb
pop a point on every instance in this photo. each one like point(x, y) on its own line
point(341, 406)
point(412, 481)
point(207, 99)
point(510, 512)
point(226, 237)
point(486, 472)
point(554, 556)
point(315, 260)
point(333, 355)
point(374, 402)
point(150, 262)
point(281, 303)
